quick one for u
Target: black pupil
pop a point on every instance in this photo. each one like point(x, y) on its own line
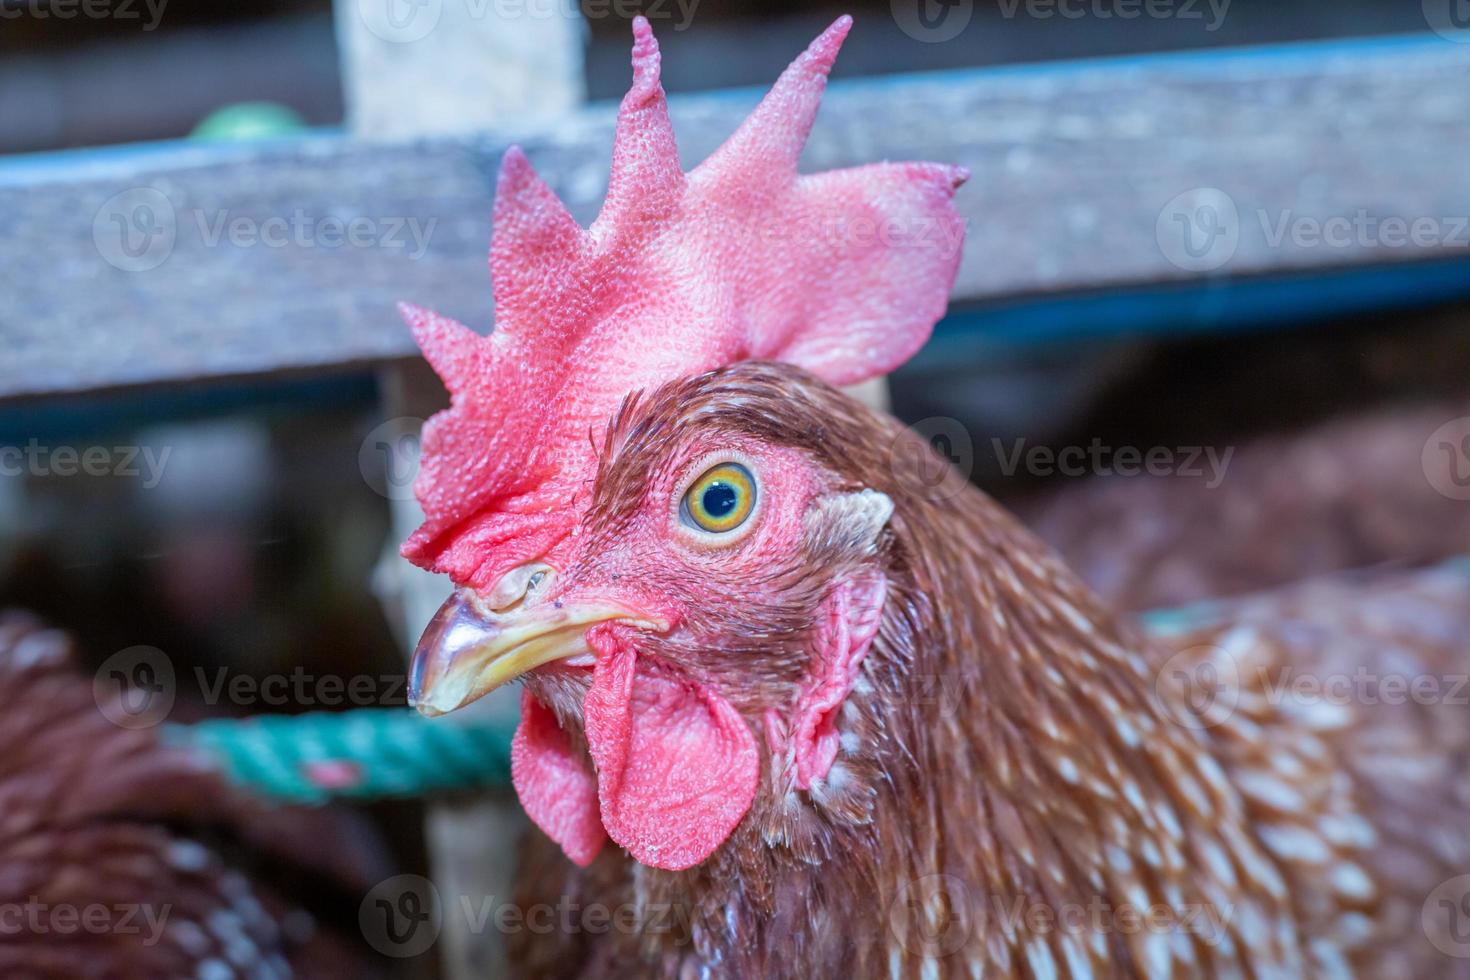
point(719, 499)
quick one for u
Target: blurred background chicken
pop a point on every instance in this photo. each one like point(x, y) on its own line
point(124, 856)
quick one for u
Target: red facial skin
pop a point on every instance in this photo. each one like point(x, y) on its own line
point(672, 762)
point(842, 273)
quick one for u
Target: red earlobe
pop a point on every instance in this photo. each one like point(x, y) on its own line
point(851, 615)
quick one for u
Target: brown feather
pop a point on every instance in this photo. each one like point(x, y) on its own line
point(184, 873)
point(1024, 779)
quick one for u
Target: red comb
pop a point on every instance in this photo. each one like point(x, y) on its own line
point(843, 273)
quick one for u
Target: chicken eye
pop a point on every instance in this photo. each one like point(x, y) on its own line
point(720, 500)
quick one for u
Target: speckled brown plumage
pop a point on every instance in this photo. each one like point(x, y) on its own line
point(1015, 753)
point(186, 876)
point(1346, 493)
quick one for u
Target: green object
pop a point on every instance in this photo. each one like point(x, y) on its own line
point(362, 754)
point(373, 753)
point(248, 121)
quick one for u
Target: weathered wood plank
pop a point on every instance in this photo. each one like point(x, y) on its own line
point(446, 70)
point(1075, 168)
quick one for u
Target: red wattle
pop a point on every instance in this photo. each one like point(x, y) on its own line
point(556, 788)
point(676, 764)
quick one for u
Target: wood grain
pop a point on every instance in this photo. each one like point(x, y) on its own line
point(1073, 164)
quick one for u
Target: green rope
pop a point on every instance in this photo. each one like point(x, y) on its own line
point(367, 753)
point(393, 752)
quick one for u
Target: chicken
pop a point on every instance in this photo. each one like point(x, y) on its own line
point(837, 720)
point(1347, 493)
point(127, 857)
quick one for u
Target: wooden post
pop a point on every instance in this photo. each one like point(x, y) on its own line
point(414, 68)
point(430, 67)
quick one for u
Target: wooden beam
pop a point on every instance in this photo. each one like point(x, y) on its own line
point(415, 70)
point(289, 256)
point(410, 72)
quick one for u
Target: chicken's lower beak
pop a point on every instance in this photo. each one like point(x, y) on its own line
point(468, 651)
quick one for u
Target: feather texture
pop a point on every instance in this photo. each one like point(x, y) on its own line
point(124, 857)
point(1027, 784)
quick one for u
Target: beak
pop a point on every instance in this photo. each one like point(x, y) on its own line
point(468, 650)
